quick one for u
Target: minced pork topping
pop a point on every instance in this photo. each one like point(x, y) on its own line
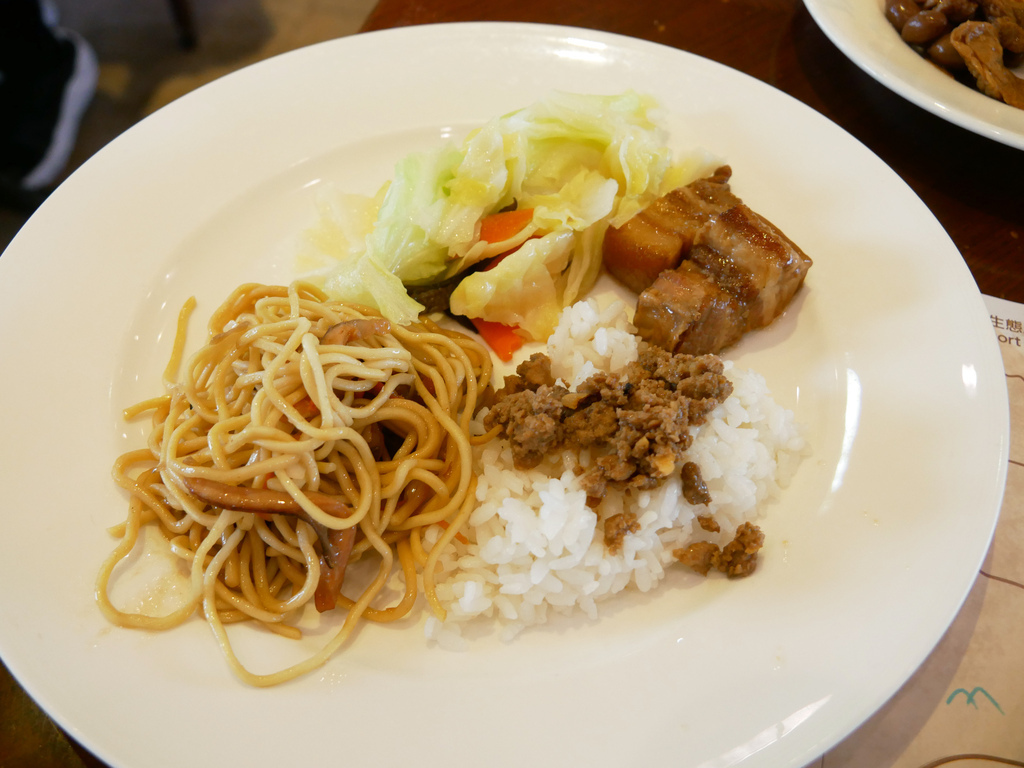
point(636, 422)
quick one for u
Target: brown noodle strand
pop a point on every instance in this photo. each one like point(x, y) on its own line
point(403, 607)
point(430, 568)
point(178, 350)
point(266, 405)
point(416, 547)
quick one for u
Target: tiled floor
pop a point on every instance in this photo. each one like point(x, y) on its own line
point(142, 67)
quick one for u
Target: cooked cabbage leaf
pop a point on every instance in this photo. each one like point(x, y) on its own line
point(581, 162)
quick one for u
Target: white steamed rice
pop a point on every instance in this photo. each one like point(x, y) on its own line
point(536, 547)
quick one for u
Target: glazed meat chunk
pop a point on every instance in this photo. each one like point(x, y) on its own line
point(660, 236)
point(741, 274)
point(979, 45)
point(751, 259)
point(685, 311)
point(706, 267)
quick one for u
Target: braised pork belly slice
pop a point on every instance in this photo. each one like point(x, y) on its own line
point(749, 257)
point(741, 273)
point(685, 310)
point(661, 236)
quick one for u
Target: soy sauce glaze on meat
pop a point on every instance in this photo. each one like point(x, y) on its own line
point(707, 268)
point(660, 236)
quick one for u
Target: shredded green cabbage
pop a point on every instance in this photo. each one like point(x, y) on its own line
point(582, 162)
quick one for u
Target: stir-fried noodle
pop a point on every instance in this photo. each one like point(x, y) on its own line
point(305, 434)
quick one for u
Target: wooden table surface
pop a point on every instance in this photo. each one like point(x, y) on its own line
point(971, 184)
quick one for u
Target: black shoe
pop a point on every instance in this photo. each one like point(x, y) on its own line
point(47, 79)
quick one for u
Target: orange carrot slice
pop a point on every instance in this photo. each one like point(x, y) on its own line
point(501, 338)
point(503, 225)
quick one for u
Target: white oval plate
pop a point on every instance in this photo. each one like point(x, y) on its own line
point(887, 357)
point(859, 29)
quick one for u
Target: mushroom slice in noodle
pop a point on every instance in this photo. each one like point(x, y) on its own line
point(335, 545)
point(350, 330)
